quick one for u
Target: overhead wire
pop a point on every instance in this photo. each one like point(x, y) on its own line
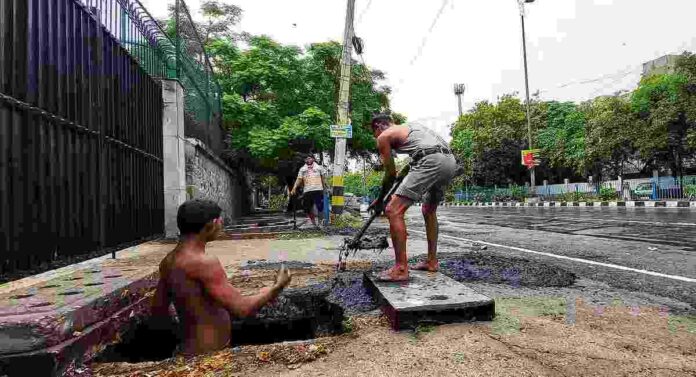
point(424, 41)
point(363, 12)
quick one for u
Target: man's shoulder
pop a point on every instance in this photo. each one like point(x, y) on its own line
point(194, 265)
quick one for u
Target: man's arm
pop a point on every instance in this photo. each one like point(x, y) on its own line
point(160, 301)
point(298, 182)
point(215, 283)
point(385, 152)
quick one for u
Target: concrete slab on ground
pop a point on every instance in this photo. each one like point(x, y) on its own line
point(429, 298)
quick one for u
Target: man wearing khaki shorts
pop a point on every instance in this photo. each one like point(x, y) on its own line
point(432, 168)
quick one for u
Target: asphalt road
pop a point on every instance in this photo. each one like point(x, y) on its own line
point(646, 251)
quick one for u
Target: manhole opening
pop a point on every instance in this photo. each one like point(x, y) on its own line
point(297, 317)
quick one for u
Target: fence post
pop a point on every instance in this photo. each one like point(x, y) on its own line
point(173, 153)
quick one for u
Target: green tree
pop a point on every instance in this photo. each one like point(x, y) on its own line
point(488, 140)
point(610, 134)
point(279, 101)
point(563, 139)
point(354, 182)
point(663, 103)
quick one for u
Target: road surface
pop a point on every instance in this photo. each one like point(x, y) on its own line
point(650, 252)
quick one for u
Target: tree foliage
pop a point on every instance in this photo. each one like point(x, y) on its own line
point(654, 127)
point(563, 139)
point(280, 101)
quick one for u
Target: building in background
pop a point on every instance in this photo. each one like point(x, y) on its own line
point(661, 65)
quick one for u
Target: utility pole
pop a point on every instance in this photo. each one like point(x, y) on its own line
point(459, 92)
point(338, 201)
point(532, 177)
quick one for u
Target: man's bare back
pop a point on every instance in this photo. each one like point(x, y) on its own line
point(197, 285)
point(206, 323)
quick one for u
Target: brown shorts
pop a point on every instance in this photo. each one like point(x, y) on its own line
point(427, 179)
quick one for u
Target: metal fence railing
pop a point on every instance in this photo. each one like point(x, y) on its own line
point(80, 133)
point(173, 50)
point(195, 72)
point(491, 194)
point(662, 188)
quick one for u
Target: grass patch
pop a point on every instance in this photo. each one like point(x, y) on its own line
point(682, 323)
point(346, 220)
point(508, 311)
point(459, 357)
point(419, 331)
point(348, 326)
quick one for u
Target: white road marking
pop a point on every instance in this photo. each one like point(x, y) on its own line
point(608, 265)
point(580, 219)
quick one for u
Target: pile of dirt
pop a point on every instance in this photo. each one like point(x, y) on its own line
point(615, 342)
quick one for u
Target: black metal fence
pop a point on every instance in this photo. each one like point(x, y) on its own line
point(80, 136)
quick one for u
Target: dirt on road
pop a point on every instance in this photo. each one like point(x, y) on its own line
point(530, 337)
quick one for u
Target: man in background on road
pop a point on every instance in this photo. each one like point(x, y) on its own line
point(432, 168)
point(197, 284)
point(312, 179)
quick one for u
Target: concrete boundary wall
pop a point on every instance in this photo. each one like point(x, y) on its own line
point(208, 177)
point(191, 169)
point(173, 156)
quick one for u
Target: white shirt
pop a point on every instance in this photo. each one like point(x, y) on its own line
point(311, 177)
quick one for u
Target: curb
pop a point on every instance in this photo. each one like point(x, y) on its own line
point(631, 204)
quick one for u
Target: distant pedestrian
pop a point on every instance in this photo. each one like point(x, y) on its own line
point(312, 179)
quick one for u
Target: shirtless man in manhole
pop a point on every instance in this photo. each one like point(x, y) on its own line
point(197, 284)
point(432, 168)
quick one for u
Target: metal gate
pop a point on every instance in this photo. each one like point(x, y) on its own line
point(80, 136)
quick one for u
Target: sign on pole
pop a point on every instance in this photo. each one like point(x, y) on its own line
point(530, 158)
point(342, 132)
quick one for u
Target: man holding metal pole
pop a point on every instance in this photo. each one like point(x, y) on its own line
point(431, 169)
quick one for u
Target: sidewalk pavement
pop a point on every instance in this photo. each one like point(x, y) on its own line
point(75, 311)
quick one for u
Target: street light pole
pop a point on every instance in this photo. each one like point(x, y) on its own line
point(526, 84)
point(459, 92)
